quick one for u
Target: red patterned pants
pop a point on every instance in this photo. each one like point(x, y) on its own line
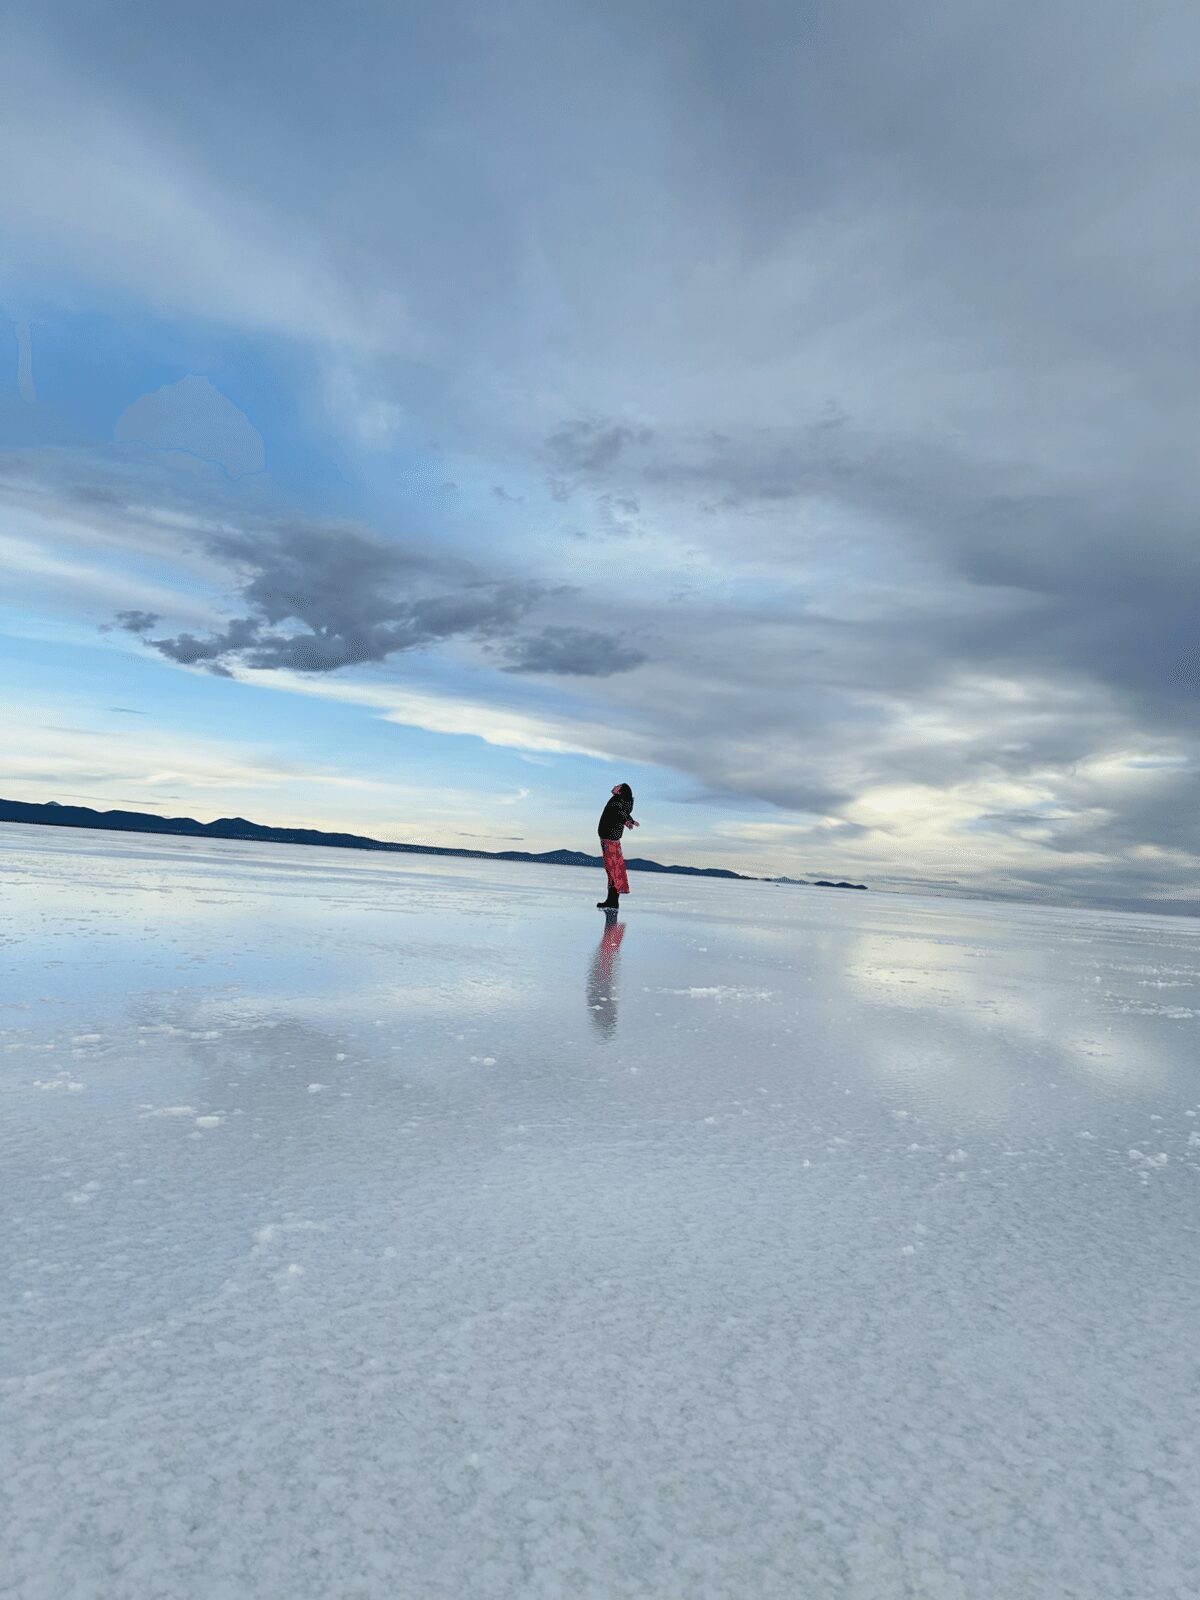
point(614, 865)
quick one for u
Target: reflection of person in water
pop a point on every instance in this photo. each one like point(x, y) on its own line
point(601, 984)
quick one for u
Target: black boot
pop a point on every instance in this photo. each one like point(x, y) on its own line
point(611, 903)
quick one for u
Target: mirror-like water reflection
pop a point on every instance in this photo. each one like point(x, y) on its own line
point(602, 977)
point(334, 1231)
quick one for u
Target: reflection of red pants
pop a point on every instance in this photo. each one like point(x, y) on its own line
point(610, 943)
point(614, 865)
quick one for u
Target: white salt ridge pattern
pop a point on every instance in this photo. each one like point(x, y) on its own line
point(720, 991)
point(879, 1290)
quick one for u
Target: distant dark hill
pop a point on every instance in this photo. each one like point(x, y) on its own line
point(818, 883)
point(58, 816)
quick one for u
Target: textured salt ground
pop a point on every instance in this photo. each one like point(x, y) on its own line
point(383, 1231)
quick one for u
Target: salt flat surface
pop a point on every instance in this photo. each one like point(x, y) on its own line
point(386, 1228)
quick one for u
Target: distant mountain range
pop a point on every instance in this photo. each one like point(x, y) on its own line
point(58, 816)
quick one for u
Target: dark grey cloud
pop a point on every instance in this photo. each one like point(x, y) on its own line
point(583, 453)
point(608, 516)
point(588, 446)
point(573, 652)
point(243, 633)
point(1082, 579)
point(617, 516)
point(323, 597)
point(137, 621)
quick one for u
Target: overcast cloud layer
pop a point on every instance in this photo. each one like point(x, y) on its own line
point(823, 380)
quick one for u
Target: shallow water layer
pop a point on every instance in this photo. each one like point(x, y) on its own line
point(400, 1227)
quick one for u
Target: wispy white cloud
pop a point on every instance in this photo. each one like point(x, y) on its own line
point(117, 192)
point(176, 772)
point(58, 579)
point(495, 723)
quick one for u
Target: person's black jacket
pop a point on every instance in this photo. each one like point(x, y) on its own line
point(612, 818)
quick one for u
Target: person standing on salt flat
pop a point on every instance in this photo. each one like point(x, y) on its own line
point(614, 819)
